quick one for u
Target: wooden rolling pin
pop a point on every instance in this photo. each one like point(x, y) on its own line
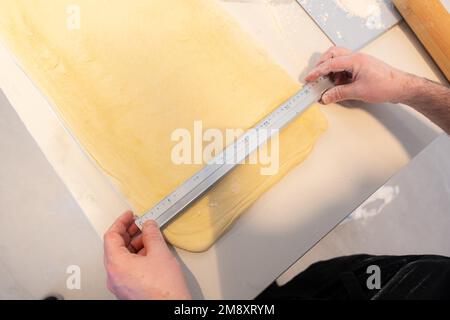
point(430, 21)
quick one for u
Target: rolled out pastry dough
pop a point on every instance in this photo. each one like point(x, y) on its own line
point(137, 70)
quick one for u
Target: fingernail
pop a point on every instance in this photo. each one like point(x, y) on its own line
point(325, 99)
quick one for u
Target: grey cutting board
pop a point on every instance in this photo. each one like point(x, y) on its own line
point(344, 28)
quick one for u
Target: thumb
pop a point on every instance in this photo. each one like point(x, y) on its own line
point(153, 239)
point(339, 93)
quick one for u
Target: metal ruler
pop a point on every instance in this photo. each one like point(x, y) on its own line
point(235, 154)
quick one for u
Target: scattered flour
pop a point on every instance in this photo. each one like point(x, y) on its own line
point(368, 10)
point(375, 204)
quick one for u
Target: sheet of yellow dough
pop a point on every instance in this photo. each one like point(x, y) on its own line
point(137, 70)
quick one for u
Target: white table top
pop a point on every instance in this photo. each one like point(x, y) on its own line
point(360, 151)
point(43, 232)
point(409, 215)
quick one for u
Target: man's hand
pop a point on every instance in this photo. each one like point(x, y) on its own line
point(140, 265)
point(359, 77)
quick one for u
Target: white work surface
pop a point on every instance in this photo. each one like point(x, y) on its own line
point(361, 150)
point(409, 215)
point(43, 232)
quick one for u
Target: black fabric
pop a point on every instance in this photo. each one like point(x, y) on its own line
point(345, 278)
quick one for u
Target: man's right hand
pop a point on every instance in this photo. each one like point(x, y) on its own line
point(359, 77)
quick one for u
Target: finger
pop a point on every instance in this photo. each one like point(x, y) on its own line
point(339, 93)
point(131, 249)
point(116, 238)
point(122, 223)
point(118, 231)
point(114, 246)
point(333, 52)
point(133, 230)
point(137, 243)
point(339, 64)
point(153, 239)
point(341, 78)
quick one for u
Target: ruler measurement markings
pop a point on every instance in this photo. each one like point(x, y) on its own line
point(218, 167)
